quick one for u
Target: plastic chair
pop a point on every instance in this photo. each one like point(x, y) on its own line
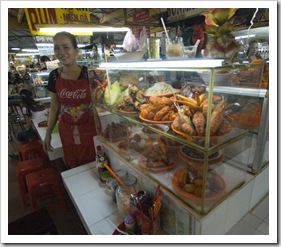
point(31, 150)
point(23, 168)
point(44, 182)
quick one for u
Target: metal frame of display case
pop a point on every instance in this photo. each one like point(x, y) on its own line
point(192, 65)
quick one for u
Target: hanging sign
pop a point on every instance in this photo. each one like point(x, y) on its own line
point(141, 16)
point(177, 14)
point(53, 16)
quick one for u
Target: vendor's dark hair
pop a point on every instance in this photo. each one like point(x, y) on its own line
point(68, 35)
point(44, 59)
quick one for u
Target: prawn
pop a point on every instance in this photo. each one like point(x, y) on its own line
point(198, 121)
point(185, 122)
point(186, 109)
point(217, 117)
point(225, 127)
point(205, 109)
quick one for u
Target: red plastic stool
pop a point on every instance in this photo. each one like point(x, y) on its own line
point(31, 150)
point(45, 180)
point(23, 168)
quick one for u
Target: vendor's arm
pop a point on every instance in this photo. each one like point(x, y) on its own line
point(53, 117)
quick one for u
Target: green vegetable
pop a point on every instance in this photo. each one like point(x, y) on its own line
point(112, 94)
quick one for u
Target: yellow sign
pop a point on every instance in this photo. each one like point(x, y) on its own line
point(52, 16)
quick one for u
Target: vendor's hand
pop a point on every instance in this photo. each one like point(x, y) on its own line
point(47, 144)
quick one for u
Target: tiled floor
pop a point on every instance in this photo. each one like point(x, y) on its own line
point(67, 221)
point(255, 222)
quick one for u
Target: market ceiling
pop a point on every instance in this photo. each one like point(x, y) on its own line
point(20, 36)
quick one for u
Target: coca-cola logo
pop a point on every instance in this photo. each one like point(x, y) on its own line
point(77, 94)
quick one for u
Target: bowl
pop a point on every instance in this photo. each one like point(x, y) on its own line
point(129, 56)
point(220, 79)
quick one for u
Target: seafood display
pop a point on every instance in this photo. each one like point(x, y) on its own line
point(189, 184)
point(131, 99)
point(158, 109)
point(192, 121)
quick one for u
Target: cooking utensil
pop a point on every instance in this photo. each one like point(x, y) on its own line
point(157, 202)
point(113, 174)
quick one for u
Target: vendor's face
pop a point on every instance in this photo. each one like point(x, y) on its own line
point(64, 50)
point(254, 49)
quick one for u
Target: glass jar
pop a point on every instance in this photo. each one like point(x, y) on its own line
point(123, 193)
point(154, 48)
point(174, 48)
point(122, 174)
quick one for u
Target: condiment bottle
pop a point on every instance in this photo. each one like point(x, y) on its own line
point(100, 160)
point(130, 223)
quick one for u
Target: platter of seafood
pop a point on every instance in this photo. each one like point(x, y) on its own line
point(191, 121)
point(190, 185)
point(156, 158)
point(158, 110)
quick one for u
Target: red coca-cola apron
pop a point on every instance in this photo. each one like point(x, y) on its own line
point(76, 121)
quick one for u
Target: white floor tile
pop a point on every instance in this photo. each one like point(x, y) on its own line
point(257, 232)
point(252, 220)
point(262, 209)
point(266, 219)
point(241, 228)
point(264, 228)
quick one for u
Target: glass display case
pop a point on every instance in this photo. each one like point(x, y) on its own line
point(40, 81)
point(187, 125)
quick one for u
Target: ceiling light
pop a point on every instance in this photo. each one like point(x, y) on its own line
point(15, 49)
point(245, 36)
point(78, 29)
point(29, 50)
point(27, 54)
point(44, 44)
point(198, 63)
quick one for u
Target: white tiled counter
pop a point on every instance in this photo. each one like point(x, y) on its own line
point(57, 152)
point(92, 201)
point(97, 210)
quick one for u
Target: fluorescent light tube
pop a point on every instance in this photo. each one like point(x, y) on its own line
point(245, 36)
point(79, 29)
